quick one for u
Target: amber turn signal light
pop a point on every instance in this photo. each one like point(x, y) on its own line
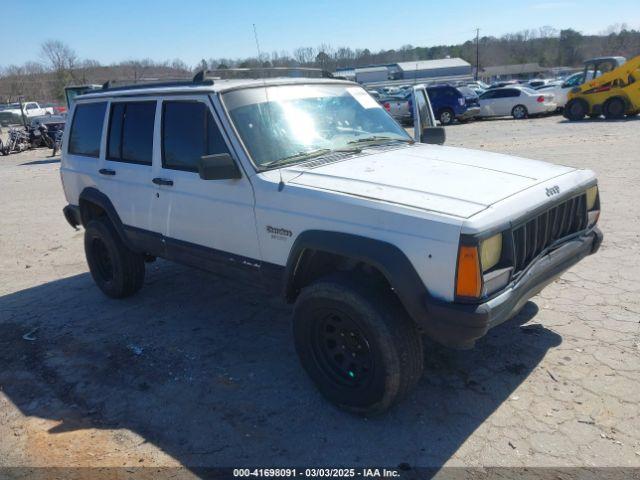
point(469, 282)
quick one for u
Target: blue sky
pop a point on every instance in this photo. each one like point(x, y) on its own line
point(114, 30)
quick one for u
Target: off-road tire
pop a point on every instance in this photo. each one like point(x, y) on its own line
point(575, 109)
point(446, 116)
point(519, 112)
point(118, 271)
point(392, 339)
point(614, 108)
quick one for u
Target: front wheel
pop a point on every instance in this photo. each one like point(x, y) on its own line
point(519, 112)
point(357, 344)
point(118, 271)
point(576, 109)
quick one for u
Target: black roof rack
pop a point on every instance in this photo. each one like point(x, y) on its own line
point(258, 72)
point(208, 77)
point(154, 84)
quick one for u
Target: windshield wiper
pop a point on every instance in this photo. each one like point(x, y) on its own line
point(304, 155)
point(381, 139)
point(309, 154)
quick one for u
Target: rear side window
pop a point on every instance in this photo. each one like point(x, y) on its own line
point(86, 129)
point(131, 132)
point(511, 92)
point(188, 133)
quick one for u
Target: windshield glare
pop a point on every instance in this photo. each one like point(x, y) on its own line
point(284, 123)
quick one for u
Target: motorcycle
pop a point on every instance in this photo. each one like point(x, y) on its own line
point(39, 136)
point(18, 141)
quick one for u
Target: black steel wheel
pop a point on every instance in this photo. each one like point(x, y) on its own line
point(357, 343)
point(341, 349)
point(118, 271)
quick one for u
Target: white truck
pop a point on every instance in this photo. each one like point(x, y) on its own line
point(12, 113)
point(311, 188)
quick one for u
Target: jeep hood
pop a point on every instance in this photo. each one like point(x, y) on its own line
point(448, 180)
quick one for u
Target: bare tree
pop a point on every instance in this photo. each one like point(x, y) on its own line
point(62, 60)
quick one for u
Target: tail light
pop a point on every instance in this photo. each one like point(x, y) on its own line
point(540, 99)
point(386, 106)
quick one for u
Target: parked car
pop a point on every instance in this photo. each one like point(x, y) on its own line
point(538, 83)
point(376, 238)
point(503, 83)
point(477, 84)
point(13, 114)
point(399, 107)
point(477, 89)
point(450, 103)
point(518, 102)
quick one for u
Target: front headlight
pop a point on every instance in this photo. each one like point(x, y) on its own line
point(490, 252)
point(592, 195)
point(593, 206)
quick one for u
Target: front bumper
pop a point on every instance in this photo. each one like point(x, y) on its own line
point(460, 325)
point(72, 215)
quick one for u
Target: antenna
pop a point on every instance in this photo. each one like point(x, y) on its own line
point(266, 94)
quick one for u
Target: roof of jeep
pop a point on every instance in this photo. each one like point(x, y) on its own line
point(215, 87)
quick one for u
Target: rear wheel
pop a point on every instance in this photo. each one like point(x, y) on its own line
point(357, 344)
point(576, 109)
point(614, 108)
point(446, 116)
point(118, 271)
point(519, 112)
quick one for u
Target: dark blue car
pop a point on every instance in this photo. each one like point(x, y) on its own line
point(450, 103)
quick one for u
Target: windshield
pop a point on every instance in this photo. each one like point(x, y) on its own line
point(289, 124)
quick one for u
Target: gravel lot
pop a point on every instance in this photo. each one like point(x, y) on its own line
point(198, 370)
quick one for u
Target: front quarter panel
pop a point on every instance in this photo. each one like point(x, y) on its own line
point(429, 241)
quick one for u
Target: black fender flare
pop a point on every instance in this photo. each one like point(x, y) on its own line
point(96, 197)
point(384, 256)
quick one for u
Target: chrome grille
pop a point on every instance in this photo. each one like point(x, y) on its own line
point(538, 233)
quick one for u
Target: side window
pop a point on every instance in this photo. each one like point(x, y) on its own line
point(131, 132)
point(188, 133)
point(86, 129)
point(488, 94)
point(512, 92)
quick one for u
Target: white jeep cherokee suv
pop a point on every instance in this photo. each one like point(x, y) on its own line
point(310, 185)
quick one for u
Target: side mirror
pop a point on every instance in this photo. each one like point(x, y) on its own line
point(218, 167)
point(433, 135)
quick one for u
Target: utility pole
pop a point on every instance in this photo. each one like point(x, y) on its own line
point(477, 52)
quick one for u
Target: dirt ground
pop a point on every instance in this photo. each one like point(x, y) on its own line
point(198, 370)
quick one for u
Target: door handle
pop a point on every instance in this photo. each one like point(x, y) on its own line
point(162, 181)
point(106, 171)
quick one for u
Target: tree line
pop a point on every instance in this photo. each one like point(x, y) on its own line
point(59, 64)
